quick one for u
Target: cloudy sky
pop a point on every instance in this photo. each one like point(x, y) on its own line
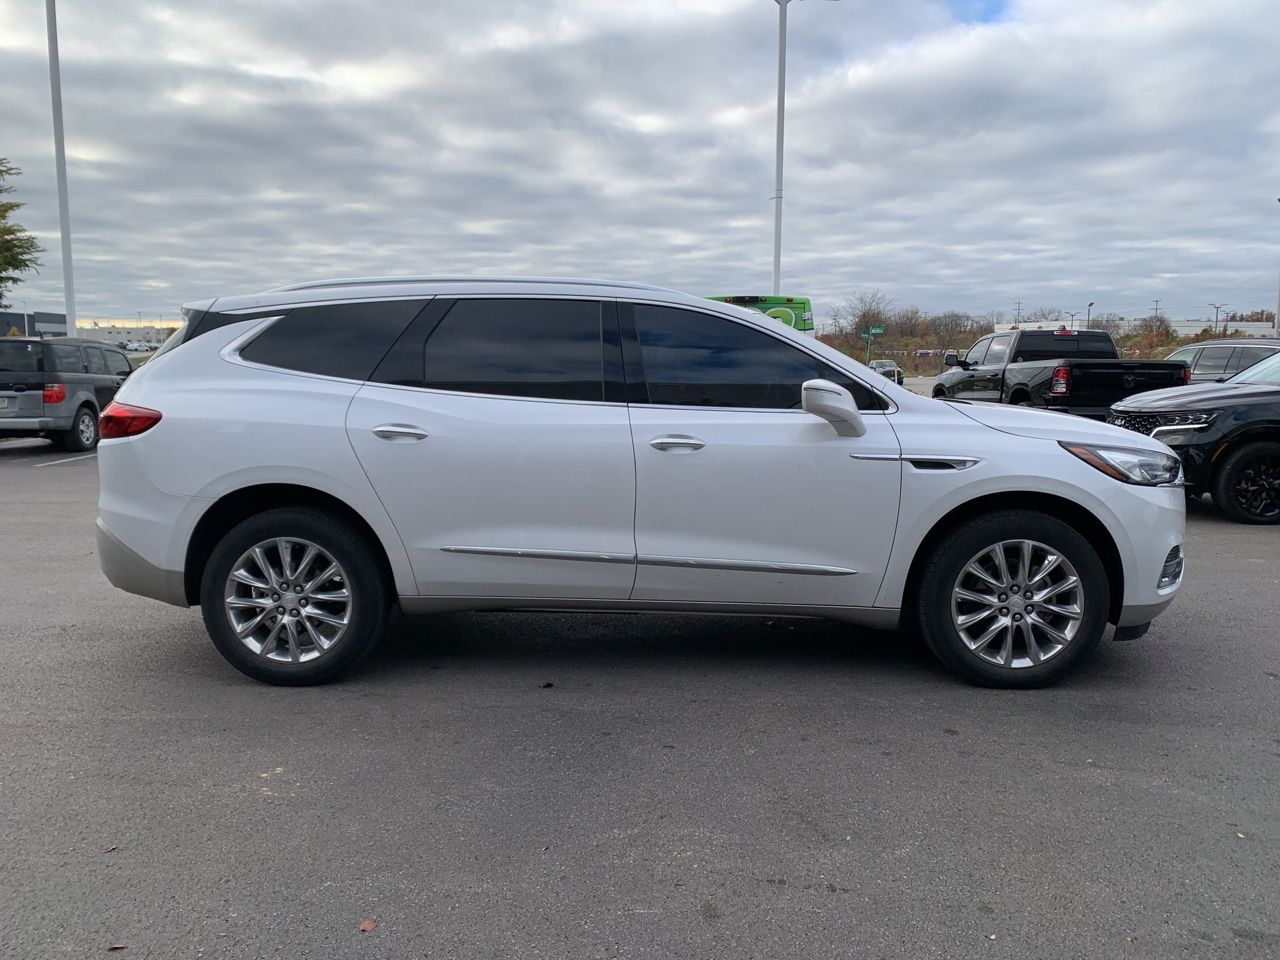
point(961, 154)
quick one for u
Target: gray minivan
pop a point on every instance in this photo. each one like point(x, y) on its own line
point(56, 388)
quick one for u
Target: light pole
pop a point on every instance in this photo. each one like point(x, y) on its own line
point(1276, 325)
point(1216, 308)
point(60, 160)
point(1073, 317)
point(782, 113)
point(1088, 315)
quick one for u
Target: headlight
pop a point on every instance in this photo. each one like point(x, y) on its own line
point(1195, 420)
point(1148, 468)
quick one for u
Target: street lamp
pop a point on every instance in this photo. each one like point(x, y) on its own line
point(1216, 308)
point(1073, 317)
point(60, 161)
point(1088, 316)
point(777, 177)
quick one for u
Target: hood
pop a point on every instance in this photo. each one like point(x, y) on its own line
point(1044, 425)
point(1197, 396)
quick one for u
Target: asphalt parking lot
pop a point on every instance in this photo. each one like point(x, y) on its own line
point(546, 785)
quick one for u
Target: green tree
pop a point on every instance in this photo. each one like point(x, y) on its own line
point(19, 251)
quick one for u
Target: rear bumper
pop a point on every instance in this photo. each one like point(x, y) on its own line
point(34, 424)
point(128, 571)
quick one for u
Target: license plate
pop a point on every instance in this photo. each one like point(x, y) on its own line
point(4, 403)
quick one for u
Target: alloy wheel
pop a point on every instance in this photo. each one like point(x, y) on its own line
point(1257, 489)
point(288, 600)
point(1017, 603)
point(86, 428)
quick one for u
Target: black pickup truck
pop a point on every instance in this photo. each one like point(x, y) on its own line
point(1072, 371)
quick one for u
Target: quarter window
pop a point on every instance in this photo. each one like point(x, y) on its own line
point(545, 349)
point(343, 340)
point(696, 359)
point(97, 362)
point(1246, 357)
point(66, 358)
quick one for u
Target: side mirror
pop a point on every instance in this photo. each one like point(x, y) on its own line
point(832, 403)
point(951, 359)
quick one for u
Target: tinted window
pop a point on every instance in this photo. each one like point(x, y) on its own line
point(118, 364)
point(977, 352)
point(19, 356)
point(997, 351)
point(1213, 360)
point(1246, 357)
point(1051, 346)
point(65, 358)
point(340, 340)
point(96, 361)
point(548, 349)
point(695, 359)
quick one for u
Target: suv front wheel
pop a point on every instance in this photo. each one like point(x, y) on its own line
point(294, 596)
point(1013, 599)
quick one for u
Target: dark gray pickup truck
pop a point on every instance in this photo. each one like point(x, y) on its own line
point(57, 387)
point(1072, 371)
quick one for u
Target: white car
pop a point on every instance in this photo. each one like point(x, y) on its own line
point(297, 462)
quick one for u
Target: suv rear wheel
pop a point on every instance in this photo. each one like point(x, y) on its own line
point(294, 597)
point(83, 434)
point(1013, 599)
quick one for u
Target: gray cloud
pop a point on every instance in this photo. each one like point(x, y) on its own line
point(1062, 152)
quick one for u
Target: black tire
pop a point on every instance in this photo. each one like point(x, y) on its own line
point(1246, 487)
point(964, 543)
point(365, 580)
point(83, 434)
point(939, 393)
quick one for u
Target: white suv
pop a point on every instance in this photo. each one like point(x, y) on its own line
point(298, 461)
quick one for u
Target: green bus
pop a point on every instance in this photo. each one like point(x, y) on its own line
point(795, 312)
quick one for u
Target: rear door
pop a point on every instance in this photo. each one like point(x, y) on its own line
point(1212, 364)
point(103, 383)
point(496, 435)
point(1246, 357)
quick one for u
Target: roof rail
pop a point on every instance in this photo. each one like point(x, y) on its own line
point(370, 281)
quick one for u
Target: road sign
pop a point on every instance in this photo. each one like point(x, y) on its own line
point(877, 329)
point(866, 336)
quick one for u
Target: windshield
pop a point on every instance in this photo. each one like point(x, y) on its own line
point(20, 356)
point(1267, 372)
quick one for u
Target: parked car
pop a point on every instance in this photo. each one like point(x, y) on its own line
point(1227, 434)
point(1219, 360)
point(297, 461)
point(890, 369)
point(1070, 371)
point(56, 388)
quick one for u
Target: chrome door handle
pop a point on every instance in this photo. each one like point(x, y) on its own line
point(399, 431)
point(676, 443)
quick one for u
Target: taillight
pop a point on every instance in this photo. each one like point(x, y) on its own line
point(1060, 382)
point(55, 392)
point(1186, 374)
point(124, 420)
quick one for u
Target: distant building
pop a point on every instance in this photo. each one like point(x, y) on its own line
point(111, 333)
point(33, 324)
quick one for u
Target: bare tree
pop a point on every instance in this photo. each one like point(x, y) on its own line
point(1043, 315)
point(1113, 323)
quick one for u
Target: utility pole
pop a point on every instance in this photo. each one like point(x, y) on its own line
point(1216, 308)
point(1157, 304)
point(60, 160)
point(777, 175)
point(1017, 313)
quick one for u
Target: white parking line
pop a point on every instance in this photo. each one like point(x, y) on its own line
point(54, 463)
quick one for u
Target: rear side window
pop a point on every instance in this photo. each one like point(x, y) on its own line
point(118, 364)
point(1187, 356)
point(696, 359)
point(1246, 357)
point(65, 358)
point(1213, 360)
point(343, 340)
point(96, 362)
point(19, 356)
point(548, 349)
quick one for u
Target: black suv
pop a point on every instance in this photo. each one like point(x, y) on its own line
point(1227, 434)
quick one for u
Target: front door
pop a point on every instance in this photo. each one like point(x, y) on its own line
point(967, 380)
point(741, 497)
point(503, 467)
point(990, 375)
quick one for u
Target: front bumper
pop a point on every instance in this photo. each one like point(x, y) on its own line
point(1153, 521)
point(130, 572)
